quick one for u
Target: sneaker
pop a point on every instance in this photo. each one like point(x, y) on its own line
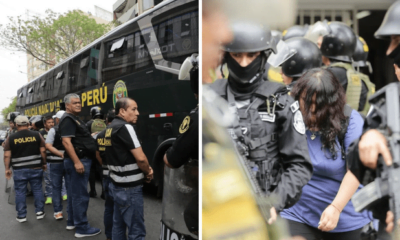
point(40, 215)
point(21, 219)
point(70, 227)
point(58, 215)
point(65, 197)
point(91, 231)
point(48, 201)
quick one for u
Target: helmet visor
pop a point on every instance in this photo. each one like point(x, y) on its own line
point(283, 53)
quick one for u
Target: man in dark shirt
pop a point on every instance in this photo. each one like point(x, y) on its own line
point(129, 168)
point(25, 152)
point(79, 148)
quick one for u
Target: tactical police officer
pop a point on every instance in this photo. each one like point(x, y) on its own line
point(95, 125)
point(185, 149)
point(363, 153)
point(25, 152)
point(101, 158)
point(337, 49)
point(48, 123)
point(128, 168)
point(13, 128)
point(79, 150)
point(269, 128)
point(36, 122)
point(307, 56)
point(55, 159)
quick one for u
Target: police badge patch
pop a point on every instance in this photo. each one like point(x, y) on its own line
point(298, 123)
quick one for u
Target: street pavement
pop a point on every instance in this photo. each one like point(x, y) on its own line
point(50, 229)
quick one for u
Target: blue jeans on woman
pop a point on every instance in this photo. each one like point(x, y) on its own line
point(108, 208)
point(128, 212)
point(78, 196)
point(21, 178)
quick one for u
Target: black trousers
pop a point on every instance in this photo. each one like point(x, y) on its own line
point(311, 233)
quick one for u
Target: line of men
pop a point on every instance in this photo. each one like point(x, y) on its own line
point(248, 52)
point(71, 148)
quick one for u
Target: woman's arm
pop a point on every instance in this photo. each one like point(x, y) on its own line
point(331, 214)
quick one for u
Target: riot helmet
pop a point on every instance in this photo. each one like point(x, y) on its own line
point(96, 112)
point(340, 42)
point(391, 22)
point(307, 56)
point(37, 121)
point(248, 37)
point(295, 31)
point(110, 115)
point(190, 68)
point(360, 55)
point(12, 115)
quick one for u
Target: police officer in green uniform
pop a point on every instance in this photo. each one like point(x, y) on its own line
point(363, 153)
point(337, 48)
point(307, 56)
point(268, 128)
point(25, 152)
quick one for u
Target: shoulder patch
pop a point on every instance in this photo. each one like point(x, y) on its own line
point(185, 125)
point(295, 106)
point(298, 123)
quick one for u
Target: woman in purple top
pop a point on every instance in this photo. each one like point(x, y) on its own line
point(324, 210)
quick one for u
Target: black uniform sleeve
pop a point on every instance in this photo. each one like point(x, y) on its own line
point(186, 144)
point(128, 137)
point(295, 158)
point(67, 128)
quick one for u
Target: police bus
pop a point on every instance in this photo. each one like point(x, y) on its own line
point(139, 59)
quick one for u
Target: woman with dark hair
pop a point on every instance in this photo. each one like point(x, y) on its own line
point(324, 210)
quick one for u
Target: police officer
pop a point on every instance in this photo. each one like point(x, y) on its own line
point(95, 125)
point(337, 49)
point(48, 123)
point(364, 69)
point(186, 148)
point(36, 122)
point(79, 150)
point(269, 128)
point(55, 159)
point(307, 56)
point(13, 128)
point(25, 152)
point(101, 157)
point(129, 168)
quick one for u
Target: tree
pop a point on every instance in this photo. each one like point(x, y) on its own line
point(10, 108)
point(53, 38)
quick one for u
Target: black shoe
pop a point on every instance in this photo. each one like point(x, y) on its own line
point(102, 196)
point(92, 194)
point(29, 194)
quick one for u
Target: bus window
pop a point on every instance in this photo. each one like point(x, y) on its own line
point(60, 85)
point(177, 32)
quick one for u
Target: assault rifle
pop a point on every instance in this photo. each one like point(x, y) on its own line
point(387, 182)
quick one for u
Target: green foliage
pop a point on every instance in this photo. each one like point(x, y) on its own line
point(10, 108)
point(52, 38)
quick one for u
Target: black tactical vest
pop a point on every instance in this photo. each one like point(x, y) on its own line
point(83, 142)
point(52, 158)
point(255, 130)
point(25, 149)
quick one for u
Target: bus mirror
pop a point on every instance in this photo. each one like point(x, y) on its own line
point(60, 75)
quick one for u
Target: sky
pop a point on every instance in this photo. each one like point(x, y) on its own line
point(13, 64)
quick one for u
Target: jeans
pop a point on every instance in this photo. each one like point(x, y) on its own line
point(128, 212)
point(58, 185)
point(48, 189)
point(108, 208)
point(21, 179)
point(78, 196)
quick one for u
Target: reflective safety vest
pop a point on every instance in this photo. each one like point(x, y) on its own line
point(354, 86)
point(25, 149)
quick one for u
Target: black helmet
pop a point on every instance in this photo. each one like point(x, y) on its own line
point(110, 115)
point(360, 55)
point(295, 31)
point(190, 67)
point(307, 56)
point(96, 112)
point(250, 37)
point(339, 43)
point(37, 120)
point(12, 115)
point(391, 22)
